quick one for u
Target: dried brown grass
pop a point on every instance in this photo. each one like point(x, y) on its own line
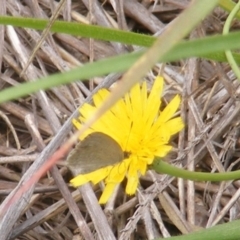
point(164, 206)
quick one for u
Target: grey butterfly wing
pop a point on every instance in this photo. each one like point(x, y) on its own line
point(97, 150)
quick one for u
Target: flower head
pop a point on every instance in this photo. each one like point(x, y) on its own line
point(137, 125)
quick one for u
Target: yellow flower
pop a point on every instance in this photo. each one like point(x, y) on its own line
point(137, 125)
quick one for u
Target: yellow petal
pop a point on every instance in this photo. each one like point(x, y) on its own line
point(135, 95)
point(99, 174)
point(107, 193)
point(163, 150)
point(117, 172)
point(132, 177)
point(142, 166)
point(101, 95)
point(79, 180)
point(76, 123)
point(144, 97)
point(156, 91)
point(170, 109)
point(94, 177)
point(87, 110)
point(174, 125)
point(132, 184)
point(153, 103)
point(128, 105)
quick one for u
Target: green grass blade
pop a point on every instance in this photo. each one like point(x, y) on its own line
point(123, 62)
point(83, 30)
point(108, 34)
point(227, 231)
